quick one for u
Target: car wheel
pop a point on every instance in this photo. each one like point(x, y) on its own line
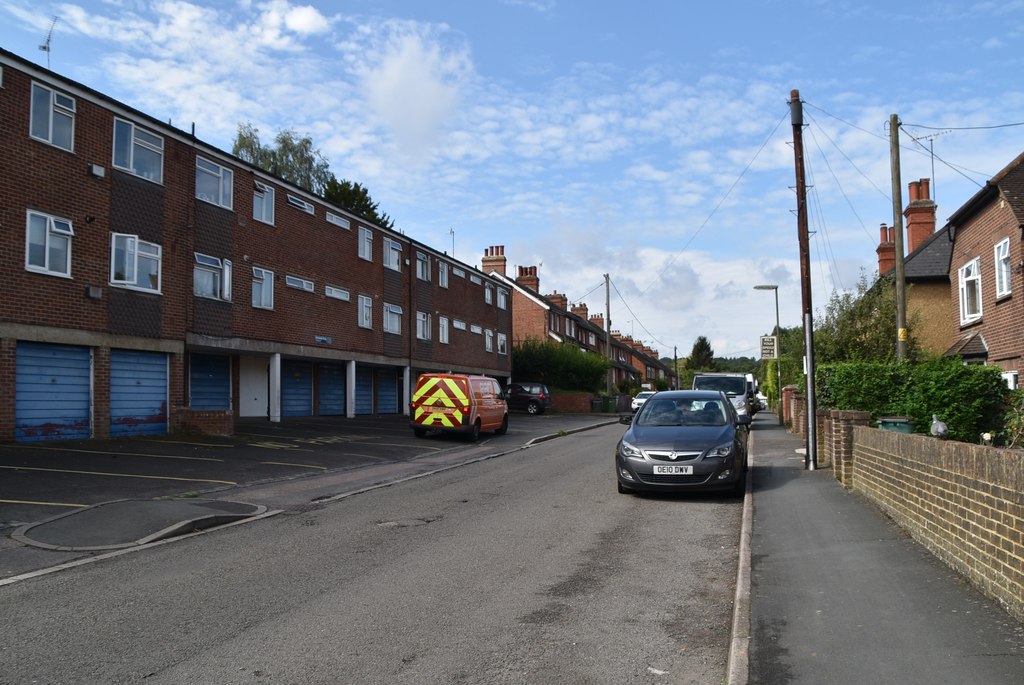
point(474, 433)
point(740, 487)
point(504, 426)
point(419, 432)
point(532, 408)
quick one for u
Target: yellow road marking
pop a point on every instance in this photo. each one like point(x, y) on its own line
point(119, 454)
point(183, 442)
point(42, 504)
point(119, 475)
point(304, 466)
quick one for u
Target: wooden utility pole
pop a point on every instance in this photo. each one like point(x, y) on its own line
point(897, 224)
point(608, 331)
point(797, 115)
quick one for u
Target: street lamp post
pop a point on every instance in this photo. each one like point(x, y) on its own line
point(778, 345)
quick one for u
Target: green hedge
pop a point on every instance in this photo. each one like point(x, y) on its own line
point(969, 399)
point(565, 367)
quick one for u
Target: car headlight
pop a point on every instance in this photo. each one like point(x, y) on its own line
point(630, 451)
point(723, 450)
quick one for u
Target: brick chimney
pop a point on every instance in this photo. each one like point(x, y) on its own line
point(581, 311)
point(920, 214)
point(493, 260)
point(886, 249)
point(528, 278)
point(559, 299)
point(598, 320)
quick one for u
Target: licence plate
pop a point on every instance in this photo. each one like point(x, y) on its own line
point(673, 469)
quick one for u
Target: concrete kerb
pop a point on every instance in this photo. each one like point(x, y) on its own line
point(739, 646)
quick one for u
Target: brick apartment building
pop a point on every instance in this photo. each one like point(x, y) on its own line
point(551, 317)
point(153, 282)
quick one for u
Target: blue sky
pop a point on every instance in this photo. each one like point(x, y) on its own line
point(649, 140)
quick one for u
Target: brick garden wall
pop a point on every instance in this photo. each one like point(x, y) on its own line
point(963, 502)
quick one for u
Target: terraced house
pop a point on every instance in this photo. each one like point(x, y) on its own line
point(153, 282)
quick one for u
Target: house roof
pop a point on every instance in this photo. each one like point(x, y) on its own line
point(971, 346)
point(930, 261)
point(1010, 180)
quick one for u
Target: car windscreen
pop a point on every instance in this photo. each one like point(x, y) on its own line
point(732, 385)
point(682, 412)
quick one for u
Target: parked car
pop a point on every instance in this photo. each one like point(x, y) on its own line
point(735, 385)
point(458, 403)
point(533, 398)
point(640, 398)
point(683, 440)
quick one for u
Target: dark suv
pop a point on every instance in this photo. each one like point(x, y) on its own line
point(533, 398)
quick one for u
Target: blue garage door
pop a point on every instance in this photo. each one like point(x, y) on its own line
point(387, 391)
point(332, 390)
point(52, 392)
point(364, 390)
point(209, 381)
point(296, 388)
point(138, 393)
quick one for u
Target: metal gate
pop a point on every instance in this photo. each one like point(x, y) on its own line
point(387, 391)
point(296, 388)
point(138, 393)
point(52, 392)
point(364, 390)
point(332, 390)
point(209, 381)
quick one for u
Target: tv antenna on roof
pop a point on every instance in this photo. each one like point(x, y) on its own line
point(45, 47)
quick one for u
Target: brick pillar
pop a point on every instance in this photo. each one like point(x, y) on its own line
point(799, 414)
point(8, 354)
point(841, 442)
point(823, 431)
point(101, 392)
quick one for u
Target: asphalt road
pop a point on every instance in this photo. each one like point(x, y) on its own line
point(528, 568)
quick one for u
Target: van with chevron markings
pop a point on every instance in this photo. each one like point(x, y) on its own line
point(458, 403)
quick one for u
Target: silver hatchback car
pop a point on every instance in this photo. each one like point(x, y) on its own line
point(683, 440)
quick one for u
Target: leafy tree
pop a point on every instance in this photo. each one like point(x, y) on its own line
point(292, 158)
point(356, 199)
point(702, 357)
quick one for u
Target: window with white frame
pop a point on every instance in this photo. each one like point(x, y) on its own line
point(476, 328)
point(263, 203)
point(211, 277)
point(502, 298)
point(336, 293)
point(461, 273)
point(262, 288)
point(1003, 282)
point(392, 254)
point(489, 340)
point(365, 311)
point(338, 220)
point(502, 343)
point(591, 339)
point(489, 294)
point(442, 274)
point(392, 318)
point(138, 151)
point(52, 117)
point(365, 244)
point(473, 278)
point(422, 266)
point(460, 325)
point(213, 183)
point(299, 283)
point(1012, 379)
point(134, 263)
point(299, 203)
point(48, 244)
point(442, 329)
point(970, 291)
point(423, 325)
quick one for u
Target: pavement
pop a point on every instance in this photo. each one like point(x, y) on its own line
point(839, 594)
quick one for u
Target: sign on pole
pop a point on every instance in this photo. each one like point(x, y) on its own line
point(769, 347)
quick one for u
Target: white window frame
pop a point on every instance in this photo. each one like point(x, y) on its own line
point(442, 329)
point(459, 325)
point(476, 328)
point(392, 318)
point(423, 266)
point(263, 196)
point(141, 145)
point(442, 274)
point(473, 278)
point(221, 176)
point(970, 281)
point(219, 271)
point(502, 298)
point(365, 312)
point(299, 203)
point(338, 220)
point(392, 254)
point(365, 243)
point(262, 288)
point(299, 283)
point(1004, 283)
point(56, 231)
point(456, 271)
point(423, 326)
point(337, 293)
point(489, 294)
point(489, 340)
point(135, 251)
point(502, 343)
point(59, 109)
